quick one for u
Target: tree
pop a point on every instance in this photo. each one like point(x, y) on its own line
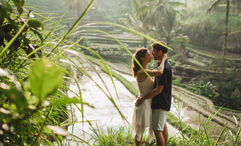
point(139, 20)
point(215, 4)
point(236, 4)
point(165, 16)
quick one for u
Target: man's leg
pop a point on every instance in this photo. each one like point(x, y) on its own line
point(165, 134)
point(160, 141)
point(159, 117)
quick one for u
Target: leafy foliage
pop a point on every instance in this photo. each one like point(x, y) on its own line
point(230, 94)
point(205, 89)
point(19, 105)
point(33, 97)
point(10, 23)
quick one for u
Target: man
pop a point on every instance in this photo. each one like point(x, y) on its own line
point(161, 96)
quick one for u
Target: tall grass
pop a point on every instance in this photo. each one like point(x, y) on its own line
point(111, 136)
point(41, 106)
point(201, 137)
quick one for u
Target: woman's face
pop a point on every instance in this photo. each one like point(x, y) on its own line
point(148, 57)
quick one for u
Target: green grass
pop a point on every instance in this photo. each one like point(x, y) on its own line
point(181, 126)
point(111, 136)
point(188, 136)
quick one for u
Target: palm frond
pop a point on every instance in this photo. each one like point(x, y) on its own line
point(213, 6)
point(177, 4)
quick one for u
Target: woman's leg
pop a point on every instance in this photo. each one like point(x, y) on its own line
point(138, 137)
point(138, 143)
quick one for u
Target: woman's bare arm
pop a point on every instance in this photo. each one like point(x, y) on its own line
point(150, 95)
point(156, 72)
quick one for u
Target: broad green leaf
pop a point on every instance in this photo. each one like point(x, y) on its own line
point(35, 23)
point(20, 10)
point(45, 77)
point(19, 4)
point(64, 101)
point(39, 34)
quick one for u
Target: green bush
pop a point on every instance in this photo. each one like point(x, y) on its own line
point(205, 89)
point(230, 90)
point(230, 94)
point(18, 32)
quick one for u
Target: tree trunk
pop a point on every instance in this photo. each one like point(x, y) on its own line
point(168, 39)
point(226, 31)
point(145, 42)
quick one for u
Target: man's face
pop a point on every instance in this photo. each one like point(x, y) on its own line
point(157, 55)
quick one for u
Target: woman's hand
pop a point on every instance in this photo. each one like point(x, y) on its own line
point(139, 101)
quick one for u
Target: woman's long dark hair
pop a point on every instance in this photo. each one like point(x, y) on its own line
point(140, 53)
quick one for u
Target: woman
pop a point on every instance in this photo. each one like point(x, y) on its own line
point(142, 114)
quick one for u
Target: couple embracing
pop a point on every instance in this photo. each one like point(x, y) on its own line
point(154, 102)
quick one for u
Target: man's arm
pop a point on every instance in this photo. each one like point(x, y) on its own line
point(157, 72)
point(152, 94)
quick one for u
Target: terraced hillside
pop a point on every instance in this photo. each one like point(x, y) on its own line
point(191, 67)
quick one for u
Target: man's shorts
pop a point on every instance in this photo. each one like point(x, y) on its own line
point(159, 118)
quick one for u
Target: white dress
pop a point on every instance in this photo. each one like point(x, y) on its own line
point(142, 117)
